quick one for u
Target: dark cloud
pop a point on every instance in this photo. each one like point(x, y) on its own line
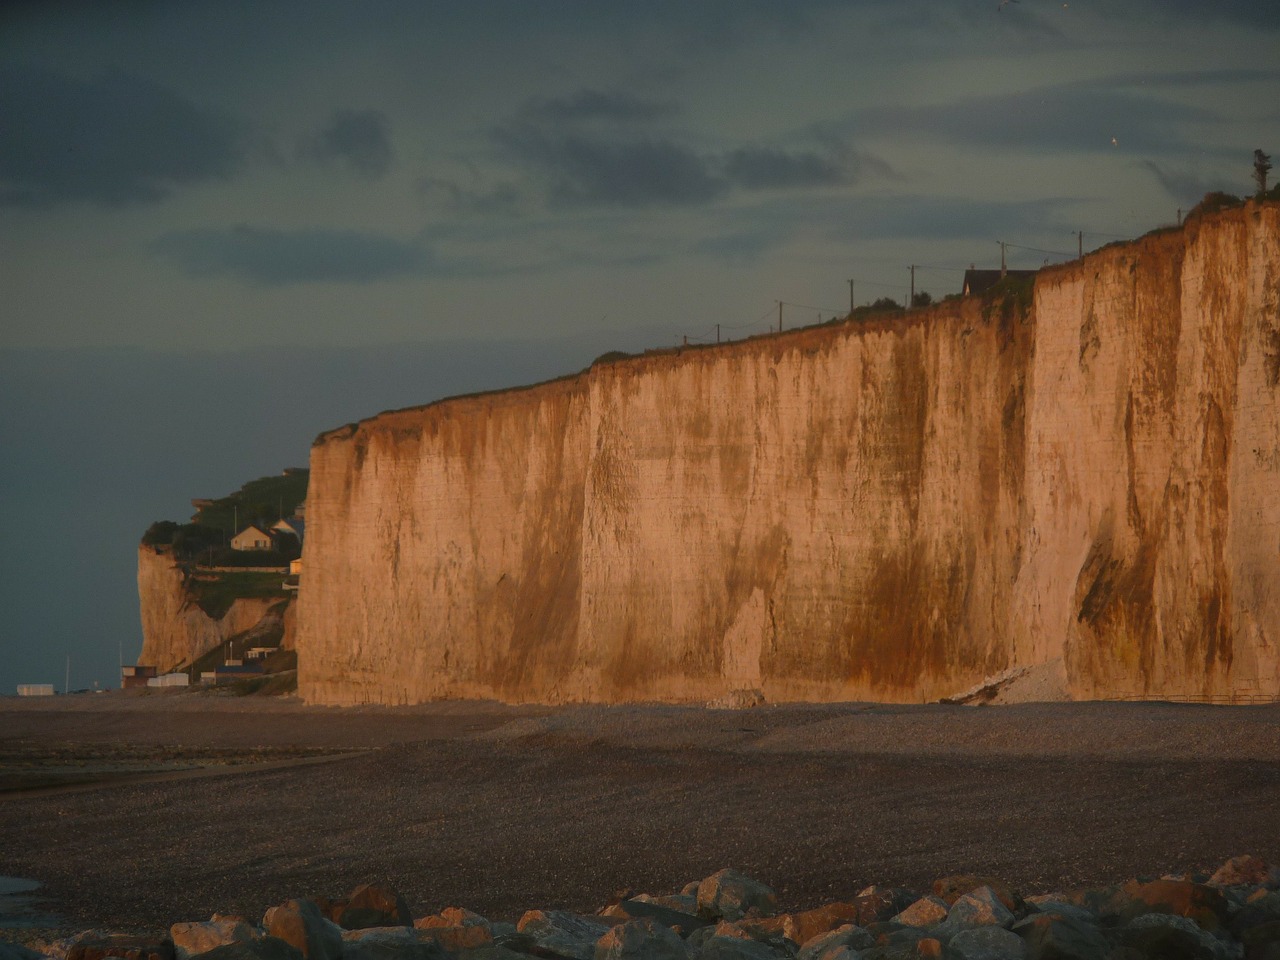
point(946, 218)
point(1182, 184)
point(1251, 13)
point(360, 140)
point(764, 168)
point(633, 173)
point(577, 168)
point(598, 105)
point(117, 139)
point(1069, 117)
point(276, 257)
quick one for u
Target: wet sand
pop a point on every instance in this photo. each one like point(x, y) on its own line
point(501, 808)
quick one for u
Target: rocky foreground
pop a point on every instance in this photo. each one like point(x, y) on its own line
point(1235, 913)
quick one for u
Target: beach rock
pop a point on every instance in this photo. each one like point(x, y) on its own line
point(1257, 911)
point(190, 939)
point(1183, 898)
point(986, 943)
point(638, 908)
point(1054, 906)
point(876, 903)
point(907, 950)
point(728, 894)
point(825, 946)
point(260, 948)
point(122, 945)
point(738, 948)
point(1242, 870)
point(375, 905)
point(680, 902)
point(389, 943)
point(1262, 942)
point(980, 907)
point(456, 929)
point(1061, 938)
point(300, 924)
point(562, 933)
point(953, 887)
point(643, 939)
point(1163, 936)
point(925, 912)
point(805, 926)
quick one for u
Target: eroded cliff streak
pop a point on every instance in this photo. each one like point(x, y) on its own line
point(176, 630)
point(891, 510)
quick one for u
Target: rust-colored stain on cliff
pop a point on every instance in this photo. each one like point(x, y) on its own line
point(895, 509)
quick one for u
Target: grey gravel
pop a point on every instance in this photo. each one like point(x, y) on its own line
point(501, 808)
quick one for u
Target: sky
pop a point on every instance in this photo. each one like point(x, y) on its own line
point(227, 226)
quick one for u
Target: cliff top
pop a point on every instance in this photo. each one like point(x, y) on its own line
point(1214, 209)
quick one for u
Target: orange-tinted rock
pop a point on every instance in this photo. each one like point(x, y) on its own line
point(124, 946)
point(1196, 901)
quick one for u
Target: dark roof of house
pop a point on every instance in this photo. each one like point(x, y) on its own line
point(980, 281)
point(292, 525)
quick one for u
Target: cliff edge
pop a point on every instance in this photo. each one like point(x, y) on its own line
point(898, 509)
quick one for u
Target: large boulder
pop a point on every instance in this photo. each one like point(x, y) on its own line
point(827, 946)
point(643, 939)
point(1258, 910)
point(300, 924)
point(563, 934)
point(980, 907)
point(389, 943)
point(1244, 870)
point(739, 948)
point(925, 912)
point(1061, 938)
point(190, 939)
point(805, 926)
point(876, 903)
point(1183, 898)
point(660, 909)
point(1262, 942)
point(374, 905)
point(122, 945)
point(260, 948)
point(728, 894)
point(986, 943)
point(952, 888)
point(1163, 936)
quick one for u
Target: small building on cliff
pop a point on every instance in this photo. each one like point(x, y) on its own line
point(251, 537)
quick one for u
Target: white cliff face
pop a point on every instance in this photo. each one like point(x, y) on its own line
point(175, 630)
point(891, 510)
point(1153, 447)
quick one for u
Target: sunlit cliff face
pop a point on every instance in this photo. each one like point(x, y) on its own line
point(889, 510)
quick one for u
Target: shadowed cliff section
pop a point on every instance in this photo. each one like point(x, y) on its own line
point(894, 509)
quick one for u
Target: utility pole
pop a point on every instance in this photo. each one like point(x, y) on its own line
point(779, 316)
point(1080, 244)
point(851, 298)
point(66, 683)
point(1004, 270)
point(717, 333)
point(912, 301)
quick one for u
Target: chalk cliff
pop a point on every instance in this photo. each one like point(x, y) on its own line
point(176, 629)
point(889, 510)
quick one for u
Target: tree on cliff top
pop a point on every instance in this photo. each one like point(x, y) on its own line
point(1261, 167)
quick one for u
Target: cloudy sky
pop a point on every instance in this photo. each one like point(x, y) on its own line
point(227, 226)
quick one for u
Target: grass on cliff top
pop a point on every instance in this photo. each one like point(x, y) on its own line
point(264, 500)
point(216, 594)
